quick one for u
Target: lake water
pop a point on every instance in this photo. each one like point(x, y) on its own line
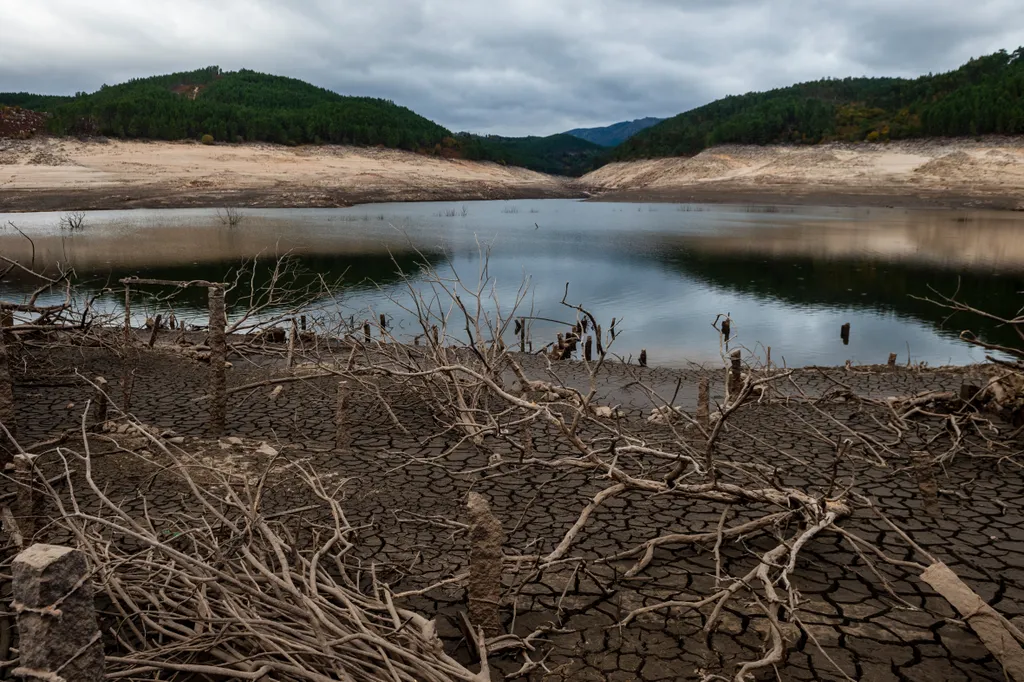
point(789, 277)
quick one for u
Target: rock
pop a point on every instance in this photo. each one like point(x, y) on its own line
point(265, 449)
point(233, 440)
point(177, 440)
point(605, 412)
point(276, 392)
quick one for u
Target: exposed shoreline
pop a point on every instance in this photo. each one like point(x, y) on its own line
point(54, 174)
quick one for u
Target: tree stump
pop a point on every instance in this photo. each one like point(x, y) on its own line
point(156, 330)
point(30, 503)
point(704, 402)
point(7, 448)
point(485, 564)
point(726, 329)
point(844, 334)
point(101, 400)
point(58, 633)
point(588, 349)
point(383, 324)
point(597, 334)
point(892, 361)
point(366, 331)
point(735, 374)
point(342, 437)
point(643, 357)
point(218, 359)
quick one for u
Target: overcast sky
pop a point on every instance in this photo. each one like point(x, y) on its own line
point(503, 66)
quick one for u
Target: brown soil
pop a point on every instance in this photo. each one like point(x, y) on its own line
point(395, 484)
point(69, 174)
point(932, 173)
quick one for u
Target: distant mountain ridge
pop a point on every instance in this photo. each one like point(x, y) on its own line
point(615, 134)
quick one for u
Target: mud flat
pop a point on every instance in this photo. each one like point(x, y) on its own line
point(406, 491)
point(67, 174)
point(933, 173)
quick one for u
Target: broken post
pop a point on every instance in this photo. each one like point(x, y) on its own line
point(844, 334)
point(101, 400)
point(302, 322)
point(7, 448)
point(366, 331)
point(218, 359)
point(485, 558)
point(383, 324)
point(58, 634)
point(522, 335)
point(597, 333)
point(703, 402)
point(342, 438)
point(768, 359)
point(127, 370)
point(892, 360)
point(726, 329)
point(643, 357)
point(156, 330)
point(293, 334)
point(735, 374)
point(588, 349)
point(29, 504)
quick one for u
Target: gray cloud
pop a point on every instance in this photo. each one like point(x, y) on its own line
point(512, 67)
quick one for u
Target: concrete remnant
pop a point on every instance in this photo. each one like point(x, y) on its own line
point(58, 634)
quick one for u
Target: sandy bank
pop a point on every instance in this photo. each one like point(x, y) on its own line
point(957, 173)
point(66, 174)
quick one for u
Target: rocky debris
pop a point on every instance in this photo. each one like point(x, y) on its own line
point(21, 124)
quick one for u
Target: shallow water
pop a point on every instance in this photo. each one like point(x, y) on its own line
point(789, 277)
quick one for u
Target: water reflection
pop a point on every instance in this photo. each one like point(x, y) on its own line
point(789, 277)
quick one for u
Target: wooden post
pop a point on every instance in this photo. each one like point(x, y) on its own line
point(522, 335)
point(101, 400)
point(218, 358)
point(342, 437)
point(735, 374)
point(600, 347)
point(293, 334)
point(584, 323)
point(383, 325)
point(302, 322)
point(768, 360)
point(172, 321)
point(892, 361)
point(7, 448)
point(366, 331)
point(58, 634)
point(588, 349)
point(643, 357)
point(726, 329)
point(156, 330)
point(703, 402)
point(29, 505)
point(485, 566)
point(127, 368)
point(844, 334)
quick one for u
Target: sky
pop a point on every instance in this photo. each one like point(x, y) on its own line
point(508, 67)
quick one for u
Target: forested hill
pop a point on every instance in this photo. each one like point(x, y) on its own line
point(560, 154)
point(230, 107)
point(985, 96)
point(246, 106)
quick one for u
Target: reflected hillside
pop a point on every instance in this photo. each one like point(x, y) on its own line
point(346, 272)
point(859, 284)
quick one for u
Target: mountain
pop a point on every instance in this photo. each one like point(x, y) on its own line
point(235, 106)
point(984, 96)
point(244, 106)
point(615, 134)
point(560, 154)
